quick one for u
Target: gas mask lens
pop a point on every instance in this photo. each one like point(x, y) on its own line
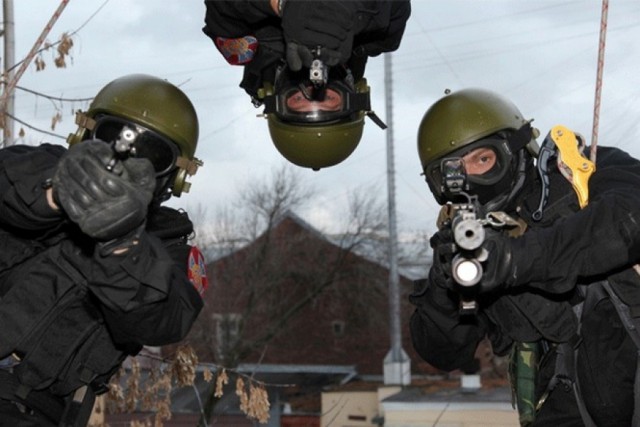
point(307, 104)
point(307, 99)
point(481, 161)
point(474, 169)
point(147, 144)
point(302, 100)
point(484, 164)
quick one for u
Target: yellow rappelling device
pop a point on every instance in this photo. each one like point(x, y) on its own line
point(572, 163)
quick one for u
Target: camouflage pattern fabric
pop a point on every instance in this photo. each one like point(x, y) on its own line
point(523, 366)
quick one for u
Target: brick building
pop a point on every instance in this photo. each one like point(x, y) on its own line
point(293, 296)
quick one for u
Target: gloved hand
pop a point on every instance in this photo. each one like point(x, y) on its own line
point(105, 204)
point(499, 268)
point(439, 289)
point(309, 24)
point(444, 249)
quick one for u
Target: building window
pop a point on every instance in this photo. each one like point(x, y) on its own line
point(227, 332)
point(337, 326)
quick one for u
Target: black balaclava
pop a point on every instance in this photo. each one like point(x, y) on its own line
point(497, 188)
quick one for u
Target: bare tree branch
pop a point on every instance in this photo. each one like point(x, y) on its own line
point(271, 275)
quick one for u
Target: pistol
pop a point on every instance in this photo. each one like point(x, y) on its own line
point(318, 72)
point(122, 147)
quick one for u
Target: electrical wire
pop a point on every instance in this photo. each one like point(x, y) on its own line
point(22, 122)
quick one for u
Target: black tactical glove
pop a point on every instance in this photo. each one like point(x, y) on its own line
point(105, 204)
point(439, 289)
point(310, 24)
point(443, 250)
point(499, 268)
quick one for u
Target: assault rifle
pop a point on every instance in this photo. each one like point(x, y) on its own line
point(466, 268)
point(469, 231)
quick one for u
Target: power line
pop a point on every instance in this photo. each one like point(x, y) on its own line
point(22, 122)
point(53, 98)
point(74, 32)
point(8, 89)
point(12, 84)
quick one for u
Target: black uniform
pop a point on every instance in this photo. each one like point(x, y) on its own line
point(571, 256)
point(379, 28)
point(70, 315)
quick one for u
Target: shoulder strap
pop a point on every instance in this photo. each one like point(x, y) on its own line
point(632, 325)
point(78, 409)
point(567, 355)
point(11, 389)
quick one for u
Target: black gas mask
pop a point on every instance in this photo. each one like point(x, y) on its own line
point(298, 98)
point(141, 143)
point(494, 187)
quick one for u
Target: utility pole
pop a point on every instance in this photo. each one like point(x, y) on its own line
point(397, 365)
point(10, 82)
point(8, 32)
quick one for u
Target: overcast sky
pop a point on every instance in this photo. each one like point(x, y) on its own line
point(542, 55)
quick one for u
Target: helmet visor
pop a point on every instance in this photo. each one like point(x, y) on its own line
point(144, 143)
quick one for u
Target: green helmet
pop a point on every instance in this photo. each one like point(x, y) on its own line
point(461, 118)
point(316, 146)
point(316, 139)
point(464, 120)
point(151, 104)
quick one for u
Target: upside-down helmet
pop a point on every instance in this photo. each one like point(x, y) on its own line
point(317, 137)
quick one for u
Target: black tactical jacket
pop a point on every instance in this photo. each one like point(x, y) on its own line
point(67, 313)
point(380, 26)
point(569, 248)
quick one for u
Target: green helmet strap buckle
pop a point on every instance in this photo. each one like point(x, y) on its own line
point(186, 168)
point(377, 120)
point(84, 121)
